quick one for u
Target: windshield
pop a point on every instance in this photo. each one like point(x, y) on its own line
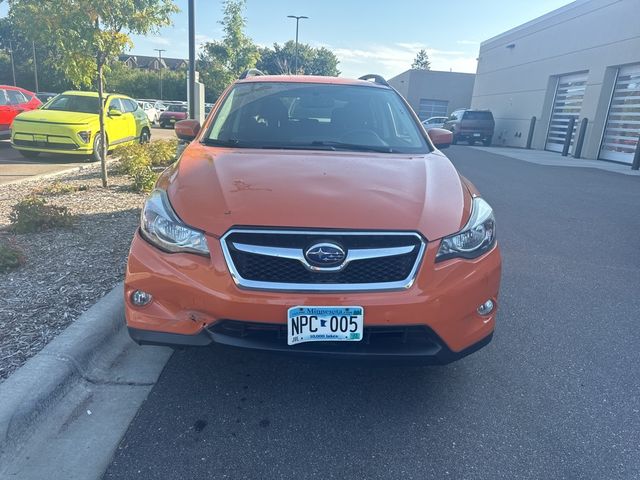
point(177, 108)
point(317, 117)
point(74, 103)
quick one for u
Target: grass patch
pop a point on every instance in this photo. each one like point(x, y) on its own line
point(11, 257)
point(34, 214)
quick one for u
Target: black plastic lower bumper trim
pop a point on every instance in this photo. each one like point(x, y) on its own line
point(434, 351)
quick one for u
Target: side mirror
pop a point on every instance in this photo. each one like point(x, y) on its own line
point(114, 112)
point(187, 130)
point(440, 137)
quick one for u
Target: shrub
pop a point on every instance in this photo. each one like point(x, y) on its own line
point(162, 153)
point(132, 157)
point(33, 214)
point(59, 188)
point(144, 179)
point(138, 161)
point(11, 257)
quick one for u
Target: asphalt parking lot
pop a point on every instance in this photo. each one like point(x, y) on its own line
point(555, 395)
point(14, 166)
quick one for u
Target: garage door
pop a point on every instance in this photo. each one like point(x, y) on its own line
point(623, 122)
point(566, 104)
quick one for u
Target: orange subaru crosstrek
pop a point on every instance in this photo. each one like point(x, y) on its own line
point(315, 215)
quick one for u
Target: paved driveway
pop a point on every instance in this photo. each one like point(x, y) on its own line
point(555, 396)
point(14, 166)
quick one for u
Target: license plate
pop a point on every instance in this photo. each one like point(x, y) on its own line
point(324, 324)
point(40, 138)
point(172, 120)
point(476, 134)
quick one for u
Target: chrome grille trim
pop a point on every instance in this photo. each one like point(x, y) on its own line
point(297, 254)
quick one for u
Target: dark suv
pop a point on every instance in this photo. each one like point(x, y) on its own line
point(471, 126)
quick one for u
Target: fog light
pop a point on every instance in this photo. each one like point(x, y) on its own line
point(85, 136)
point(486, 308)
point(140, 298)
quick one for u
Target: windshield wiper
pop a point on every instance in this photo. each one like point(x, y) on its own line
point(231, 142)
point(353, 146)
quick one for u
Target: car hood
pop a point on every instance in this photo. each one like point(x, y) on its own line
point(214, 191)
point(58, 116)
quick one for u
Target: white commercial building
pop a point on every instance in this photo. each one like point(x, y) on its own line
point(581, 61)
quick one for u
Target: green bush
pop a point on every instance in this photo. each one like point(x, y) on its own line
point(132, 157)
point(144, 179)
point(162, 153)
point(11, 257)
point(138, 160)
point(33, 214)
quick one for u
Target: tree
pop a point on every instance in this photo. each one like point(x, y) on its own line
point(49, 78)
point(311, 61)
point(222, 61)
point(141, 83)
point(421, 61)
point(87, 34)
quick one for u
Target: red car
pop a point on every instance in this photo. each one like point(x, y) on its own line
point(14, 100)
point(173, 114)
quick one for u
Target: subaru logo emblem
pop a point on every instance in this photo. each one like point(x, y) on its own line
point(325, 255)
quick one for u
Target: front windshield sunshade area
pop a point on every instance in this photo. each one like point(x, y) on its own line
point(316, 117)
point(74, 103)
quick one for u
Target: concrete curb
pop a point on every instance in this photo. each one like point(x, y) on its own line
point(36, 386)
point(44, 176)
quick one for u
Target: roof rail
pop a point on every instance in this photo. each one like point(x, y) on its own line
point(376, 79)
point(252, 72)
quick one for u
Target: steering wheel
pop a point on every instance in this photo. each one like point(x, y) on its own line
point(363, 136)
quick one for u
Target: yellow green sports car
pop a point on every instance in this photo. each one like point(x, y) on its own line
point(69, 124)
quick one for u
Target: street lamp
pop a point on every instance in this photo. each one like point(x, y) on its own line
point(298, 18)
point(13, 68)
point(160, 50)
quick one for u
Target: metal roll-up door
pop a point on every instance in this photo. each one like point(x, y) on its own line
point(622, 129)
point(567, 103)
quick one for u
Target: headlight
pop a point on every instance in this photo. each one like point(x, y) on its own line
point(476, 238)
point(162, 227)
point(85, 136)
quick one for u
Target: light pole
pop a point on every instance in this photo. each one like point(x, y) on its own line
point(192, 59)
point(160, 50)
point(13, 68)
point(298, 18)
point(35, 65)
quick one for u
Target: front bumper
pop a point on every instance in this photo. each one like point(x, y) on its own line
point(397, 343)
point(194, 295)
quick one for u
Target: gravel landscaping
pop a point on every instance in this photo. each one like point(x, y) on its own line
point(65, 270)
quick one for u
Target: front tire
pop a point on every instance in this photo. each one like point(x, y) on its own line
point(145, 136)
point(96, 156)
point(487, 141)
point(28, 153)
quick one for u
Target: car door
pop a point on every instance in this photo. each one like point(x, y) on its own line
point(117, 126)
point(136, 117)
point(5, 112)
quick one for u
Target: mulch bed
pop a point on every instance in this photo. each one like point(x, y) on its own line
point(66, 270)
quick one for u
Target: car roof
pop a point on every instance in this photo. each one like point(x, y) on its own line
point(308, 79)
point(13, 87)
point(83, 93)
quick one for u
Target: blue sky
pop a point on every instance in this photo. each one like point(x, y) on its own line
point(369, 36)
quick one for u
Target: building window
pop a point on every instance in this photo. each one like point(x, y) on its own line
point(432, 108)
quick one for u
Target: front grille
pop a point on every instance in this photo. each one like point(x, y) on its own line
point(272, 271)
point(47, 145)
